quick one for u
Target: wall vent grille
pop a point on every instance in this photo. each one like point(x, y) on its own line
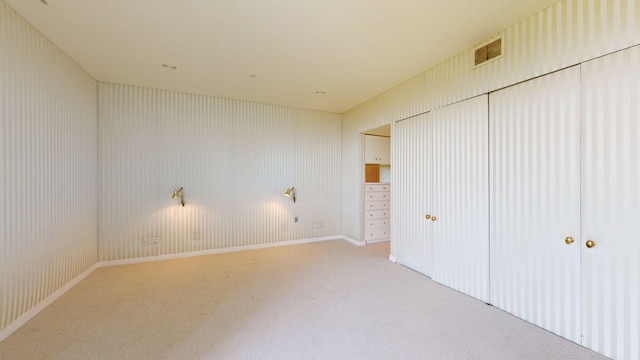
point(488, 52)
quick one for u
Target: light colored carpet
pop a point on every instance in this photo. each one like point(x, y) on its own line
point(327, 300)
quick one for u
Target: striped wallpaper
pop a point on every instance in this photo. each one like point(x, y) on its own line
point(459, 172)
point(565, 34)
point(48, 167)
point(610, 204)
point(535, 201)
point(412, 234)
point(234, 159)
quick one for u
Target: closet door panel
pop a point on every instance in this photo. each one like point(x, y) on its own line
point(611, 204)
point(535, 201)
point(413, 242)
point(461, 196)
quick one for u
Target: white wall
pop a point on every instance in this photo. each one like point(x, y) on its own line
point(48, 170)
point(565, 34)
point(234, 159)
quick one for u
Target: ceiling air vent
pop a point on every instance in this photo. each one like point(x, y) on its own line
point(488, 52)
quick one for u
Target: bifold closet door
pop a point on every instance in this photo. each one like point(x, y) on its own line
point(460, 198)
point(611, 204)
point(413, 242)
point(534, 137)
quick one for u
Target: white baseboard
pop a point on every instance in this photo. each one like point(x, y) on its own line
point(353, 241)
point(215, 251)
point(371, 242)
point(392, 258)
point(24, 318)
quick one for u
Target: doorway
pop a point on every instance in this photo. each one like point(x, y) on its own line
point(376, 187)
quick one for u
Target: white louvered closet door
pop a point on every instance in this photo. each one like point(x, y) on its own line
point(413, 243)
point(534, 137)
point(611, 204)
point(461, 196)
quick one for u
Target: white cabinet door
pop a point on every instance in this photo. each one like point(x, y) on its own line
point(377, 150)
point(412, 181)
point(461, 197)
point(534, 136)
point(611, 204)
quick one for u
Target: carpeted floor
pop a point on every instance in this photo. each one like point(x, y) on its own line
point(328, 300)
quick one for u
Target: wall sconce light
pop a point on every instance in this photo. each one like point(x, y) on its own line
point(179, 193)
point(291, 192)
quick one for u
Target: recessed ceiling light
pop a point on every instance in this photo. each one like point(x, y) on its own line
point(320, 92)
point(170, 66)
point(44, 2)
point(253, 76)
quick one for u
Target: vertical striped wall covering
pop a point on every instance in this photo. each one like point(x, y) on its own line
point(234, 159)
point(412, 233)
point(459, 199)
point(48, 168)
point(610, 195)
point(535, 201)
point(565, 34)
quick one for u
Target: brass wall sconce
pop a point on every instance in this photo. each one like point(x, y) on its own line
point(291, 192)
point(179, 193)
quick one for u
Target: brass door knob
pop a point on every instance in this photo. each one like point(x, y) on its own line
point(569, 240)
point(428, 217)
point(433, 218)
point(591, 244)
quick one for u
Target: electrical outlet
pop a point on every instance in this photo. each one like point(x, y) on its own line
point(144, 242)
point(154, 241)
point(197, 237)
point(317, 226)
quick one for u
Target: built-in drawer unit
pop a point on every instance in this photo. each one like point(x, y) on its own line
point(376, 187)
point(377, 214)
point(376, 234)
point(377, 223)
point(376, 205)
point(377, 196)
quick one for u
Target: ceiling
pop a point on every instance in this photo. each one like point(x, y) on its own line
point(329, 55)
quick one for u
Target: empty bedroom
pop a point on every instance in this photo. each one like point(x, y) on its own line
point(319, 179)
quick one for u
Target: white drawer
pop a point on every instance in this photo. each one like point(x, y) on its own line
point(379, 223)
point(376, 205)
point(376, 214)
point(376, 196)
point(376, 234)
point(377, 187)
